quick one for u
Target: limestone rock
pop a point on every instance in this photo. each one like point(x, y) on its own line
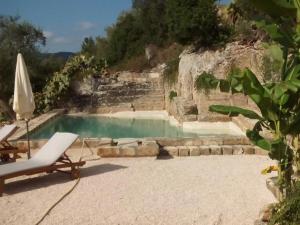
point(148, 148)
point(237, 149)
point(128, 151)
point(227, 150)
point(194, 151)
point(249, 150)
point(109, 151)
point(183, 151)
point(204, 150)
point(215, 150)
point(171, 150)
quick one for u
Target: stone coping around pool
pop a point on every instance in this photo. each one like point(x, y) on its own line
point(152, 147)
point(35, 123)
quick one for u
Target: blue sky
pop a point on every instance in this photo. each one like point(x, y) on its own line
point(66, 22)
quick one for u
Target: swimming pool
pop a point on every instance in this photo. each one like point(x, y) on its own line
point(114, 127)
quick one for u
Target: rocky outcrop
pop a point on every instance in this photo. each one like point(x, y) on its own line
point(219, 63)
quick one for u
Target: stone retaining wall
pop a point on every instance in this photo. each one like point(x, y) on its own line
point(138, 91)
point(153, 147)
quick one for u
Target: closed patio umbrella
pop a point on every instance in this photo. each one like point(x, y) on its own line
point(23, 104)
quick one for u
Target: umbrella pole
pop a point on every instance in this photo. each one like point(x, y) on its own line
point(28, 144)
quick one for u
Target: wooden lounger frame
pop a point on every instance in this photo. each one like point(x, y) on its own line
point(6, 148)
point(63, 162)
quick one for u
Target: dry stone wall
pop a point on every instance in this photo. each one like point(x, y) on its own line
point(120, 91)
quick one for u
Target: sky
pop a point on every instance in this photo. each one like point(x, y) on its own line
point(65, 23)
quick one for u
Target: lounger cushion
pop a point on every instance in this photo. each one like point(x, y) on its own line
point(6, 131)
point(46, 156)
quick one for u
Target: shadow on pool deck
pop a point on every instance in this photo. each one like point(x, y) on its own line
point(42, 181)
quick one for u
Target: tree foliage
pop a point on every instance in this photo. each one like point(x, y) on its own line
point(193, 21)
point(241, 15)
point(17, 36)
point(159, 23)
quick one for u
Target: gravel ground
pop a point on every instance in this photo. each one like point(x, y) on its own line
point(207, 190)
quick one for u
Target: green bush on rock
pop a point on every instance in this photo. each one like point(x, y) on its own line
point(56, 88)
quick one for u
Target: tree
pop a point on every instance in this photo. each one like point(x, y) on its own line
point(125, 39)
point(16, 36)
point(192, 21)
point(88, 46)
point(152, 14)
point(241, 14)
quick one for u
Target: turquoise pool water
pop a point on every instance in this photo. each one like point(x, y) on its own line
point(93, 127)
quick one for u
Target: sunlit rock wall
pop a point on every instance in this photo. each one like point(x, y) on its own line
point(218, 62)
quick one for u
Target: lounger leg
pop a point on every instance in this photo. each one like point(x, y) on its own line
point(1, 187)
point(75, 173)
point(4, 158)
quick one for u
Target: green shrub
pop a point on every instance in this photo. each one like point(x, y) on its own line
point(57, 87)
point(288, 211)
point(172, 95)
point(205, 82)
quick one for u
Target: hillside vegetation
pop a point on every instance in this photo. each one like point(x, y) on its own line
point(158, 23)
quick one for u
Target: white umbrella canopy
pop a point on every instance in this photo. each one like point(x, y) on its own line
point(23, 104)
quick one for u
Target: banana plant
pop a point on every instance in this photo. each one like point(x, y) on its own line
point(278, 102)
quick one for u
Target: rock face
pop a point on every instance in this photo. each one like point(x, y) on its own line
point(219, 63)
point(138, 91)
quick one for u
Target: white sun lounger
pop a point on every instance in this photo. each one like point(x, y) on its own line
point(51, 157)
point(7, 131)
point(5, 147)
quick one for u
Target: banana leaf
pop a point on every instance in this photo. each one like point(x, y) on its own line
point(276, 8)
point(258, 140)
point(234, 111)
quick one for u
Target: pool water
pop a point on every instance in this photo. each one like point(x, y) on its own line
point(97, 127)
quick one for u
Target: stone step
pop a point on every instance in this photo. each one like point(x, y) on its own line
point(149, 99)
point(159, 104)
point(151, 95)
point(149, 107)
point(158, 91)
